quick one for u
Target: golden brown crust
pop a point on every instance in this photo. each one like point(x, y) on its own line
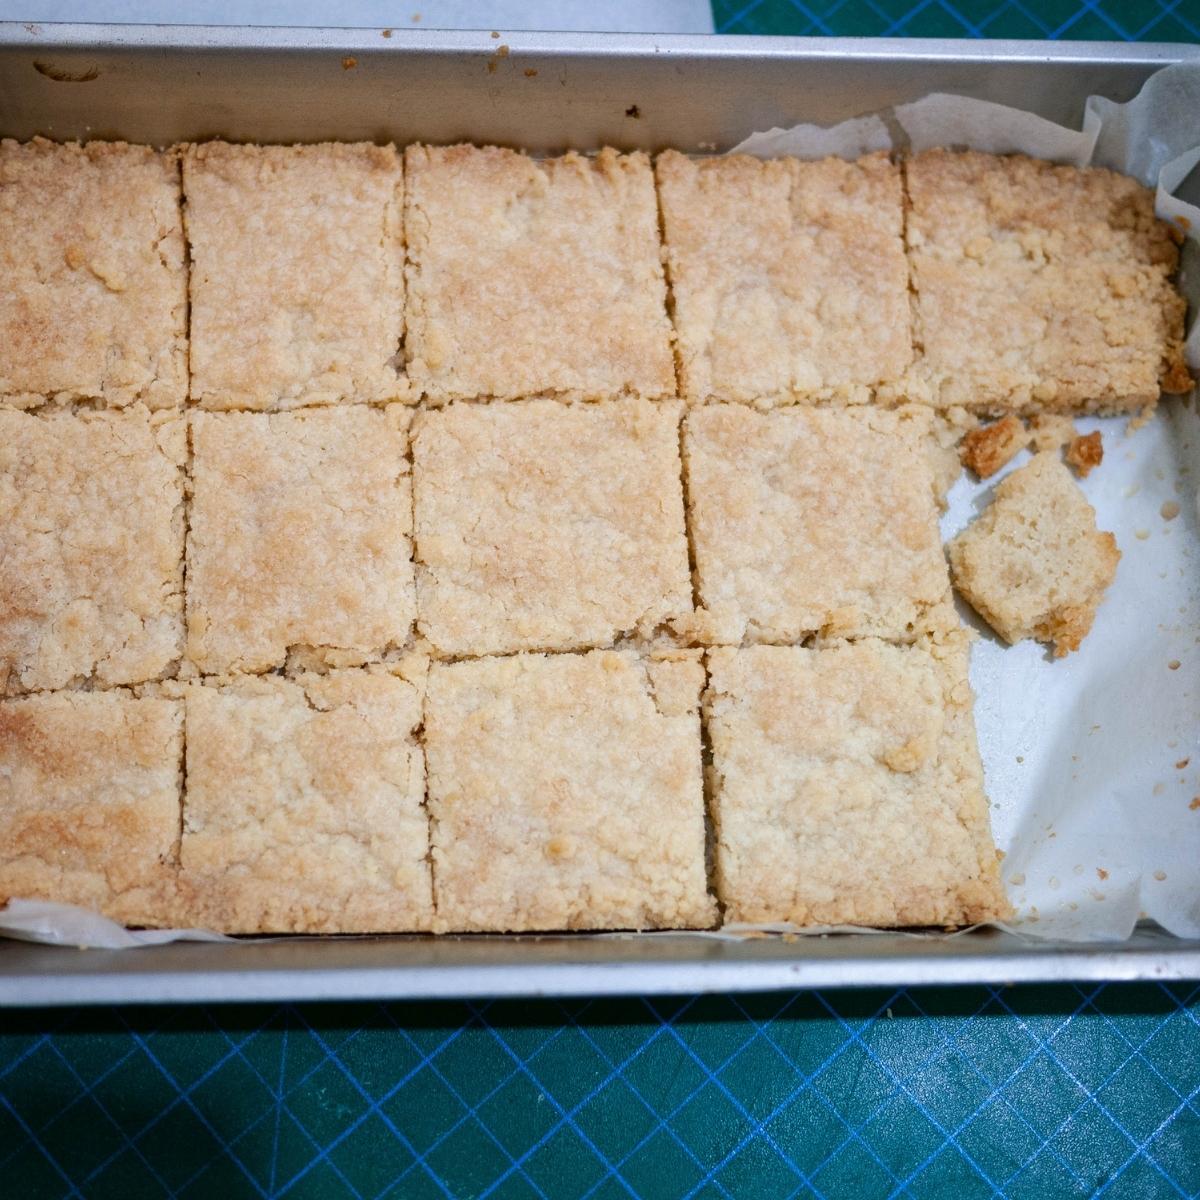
point(304, 809)
point(812, 521)
point(1033, 563)
point(1085, 452)
point(847, 787)
point(788, 278)
point(297, 279)
point(565, 793)
point(91, 547)
point(989, 447)
point(528, 277)
point(299, 537)
point(1039, 286)
point(546, 526)
point(94, 301)
point(89, 802)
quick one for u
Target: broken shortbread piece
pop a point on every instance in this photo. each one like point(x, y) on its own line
point(565, 793)
point(989, 447)
point(299, 537)
point(297, 277)
point(91, 547)
point(813, 521)
point(1051, 431)
point(788, 278)
point(89, 802)
point(528, 277)
point(1040, 286)
point(1085, 451)
point(548, 526)
point(94, 301)
point(1033, 564)
point(305, 805)
point(847, 787)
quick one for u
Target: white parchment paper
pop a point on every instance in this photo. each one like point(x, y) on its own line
point(1093, 761)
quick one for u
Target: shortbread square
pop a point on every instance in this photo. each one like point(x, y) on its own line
point(1033, 563)
point(788, 278)
point(528, 277)
point(565, 793)
point(305, 805)
point(847, 787)
point(91, 548)
point(548, 526)
point(297, 277)
point(89, 802)
point(299, 537)
point(1040, 286)
point(94, 302)
point(813, 521)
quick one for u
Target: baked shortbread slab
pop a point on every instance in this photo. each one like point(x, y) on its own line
point(297, 276)
point(547, 526)
point(89, 802)
point(847, 787)
point(565, 792)
point(91, 547)
point(813, 521)
point(305, 805)
point(94, 302)
point(1033, 563)
point(788, 278)
point(299, 537)
point(1040, 286)
point(529, 277)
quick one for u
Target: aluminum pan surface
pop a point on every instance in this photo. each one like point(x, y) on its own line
point(160, 84)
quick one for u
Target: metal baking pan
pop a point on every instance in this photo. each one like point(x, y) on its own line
point(543, 92)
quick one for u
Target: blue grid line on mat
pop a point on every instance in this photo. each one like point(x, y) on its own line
point(1091, 19)
point(858, 1083)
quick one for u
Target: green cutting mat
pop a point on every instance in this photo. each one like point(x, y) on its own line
point(969, 1092)
point(959, 1093)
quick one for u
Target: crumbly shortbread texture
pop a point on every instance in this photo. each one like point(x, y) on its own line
point(1033, 564)
point(565, 793)
point(304, 810)
point(547, 526)
point(1039, 286)
point(788, 278)
point(91, 547)
point(297, 274)
point(813, 521)
point(532, 277)
point(94, 302)
point(847, 786)
point(89, 802)
point(299, 536)
point(987, 448)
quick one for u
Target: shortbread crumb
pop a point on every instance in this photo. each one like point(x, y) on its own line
point(297, 278)
point(986, 449)
point(547, 526)
point(89, 802)
point(1085, 452)
point(788, 278)
point(91, 548)
point(304, 810)
point(565, 793)
point(1039, 286)
point(534, 277)
point(94, 302)
point(299, 537)
point(1033, 564)
point(847, 787)
point(810, 521)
